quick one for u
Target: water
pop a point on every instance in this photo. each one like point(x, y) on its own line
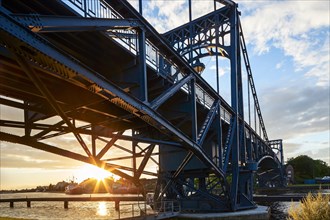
point(98, 210)
point(279, 210)
point(76, 210)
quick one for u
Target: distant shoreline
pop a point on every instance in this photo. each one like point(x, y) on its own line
point(10, 218)
point(13, 191)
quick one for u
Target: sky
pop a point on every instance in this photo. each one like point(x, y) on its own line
point(288, 47)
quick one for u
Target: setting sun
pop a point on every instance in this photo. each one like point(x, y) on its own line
point(89, 171)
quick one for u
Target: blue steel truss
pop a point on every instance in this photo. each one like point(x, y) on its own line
point(137, 92)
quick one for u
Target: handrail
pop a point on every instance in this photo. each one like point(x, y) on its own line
point(162, 208)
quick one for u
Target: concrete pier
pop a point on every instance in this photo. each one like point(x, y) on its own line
point(66, 204)
point(260, 213)
point(117, 205)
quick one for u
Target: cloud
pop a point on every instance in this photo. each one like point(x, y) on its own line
point(165, 15)
point(299, 29)
point(321, 154)
point(290, 147)
point(222, 71)
point(295, 111)
point(279, 65)
point(16, 155)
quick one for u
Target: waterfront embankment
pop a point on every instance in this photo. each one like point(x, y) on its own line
point(279, 209)
point(9, 218)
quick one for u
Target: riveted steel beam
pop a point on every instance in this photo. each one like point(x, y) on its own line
point(139, 139)
point(170, 92)
point(226, 2)
point(207, 122)
point(144, 161)
point(108, 146)
point(52, 23)
point(176, 173)
point(51, 100)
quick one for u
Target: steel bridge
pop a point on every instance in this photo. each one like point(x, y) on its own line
point(96, 71)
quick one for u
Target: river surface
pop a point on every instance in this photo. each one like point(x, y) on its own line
point(76, 210)
point(279, 210)
point(98, 210)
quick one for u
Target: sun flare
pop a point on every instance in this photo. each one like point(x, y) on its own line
point(89, 171)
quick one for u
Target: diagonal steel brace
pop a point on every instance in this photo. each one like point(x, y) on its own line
point(51, 100)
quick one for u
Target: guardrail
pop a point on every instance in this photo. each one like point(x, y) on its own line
point(159, 210)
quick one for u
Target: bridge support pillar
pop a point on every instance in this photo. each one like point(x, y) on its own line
point(66, 204)
point(117, 205)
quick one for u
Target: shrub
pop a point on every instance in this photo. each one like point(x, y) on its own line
point(314, 207)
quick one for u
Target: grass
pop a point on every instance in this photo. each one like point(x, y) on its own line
point(319, 185)
point(314, 207)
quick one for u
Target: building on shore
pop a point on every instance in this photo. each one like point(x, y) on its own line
point(289, 174)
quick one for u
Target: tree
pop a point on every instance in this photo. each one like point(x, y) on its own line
point(307, 168)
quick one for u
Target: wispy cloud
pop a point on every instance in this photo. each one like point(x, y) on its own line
point(299, 28)
point(165, 15)
point(296, 111)
point(279, 65)
point(222, 71)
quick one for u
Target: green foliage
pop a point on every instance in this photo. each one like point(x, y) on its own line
point(314, 207)
point(307, 168)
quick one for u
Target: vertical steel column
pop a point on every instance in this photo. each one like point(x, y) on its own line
point(190, 37)
point(282, 168)
point(93, 141)
point(193, 110)
point(255, 118)
point(250, 161)
point(134, 143)
point(242, 143)
point(216, 52)
point(219, 136)
point(140, 7)
point(248, 87)
point(249, 150)
point(249, 147)
point(234, 46)
point(281, 151)
point(85, 8)
point(142, 65)
point(190, 11)
point(217, 60)
point(27, 119)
